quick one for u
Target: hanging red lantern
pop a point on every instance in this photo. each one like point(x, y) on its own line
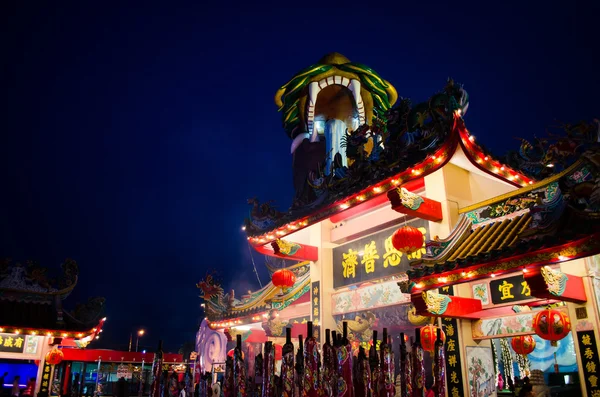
point(54, 356)
point(429, 336)
point(552, 325)
point(523, 344)
point(407, 239)
point(284, 279)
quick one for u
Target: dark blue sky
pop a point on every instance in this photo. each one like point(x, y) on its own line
point(132, 135)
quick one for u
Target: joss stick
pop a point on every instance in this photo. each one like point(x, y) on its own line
point(363, 374)
point(418, 367)
point(287, 365)
point(329, 366)
point(387, 387)
point(405, 369)
point(374, 364)
point(157, 371)
point(269, 371)
point(228, 382)
point(239, 370)
point(344, 357)
point(311, 363)
point(439, 366)
point(300, 366)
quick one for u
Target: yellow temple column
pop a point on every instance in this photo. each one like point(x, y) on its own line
point(322, 271)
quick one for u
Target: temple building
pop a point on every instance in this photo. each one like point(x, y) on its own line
point(35, 326)
point(507, 250)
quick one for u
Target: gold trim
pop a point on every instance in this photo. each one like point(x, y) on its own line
point(297, 265)
point(269, 294)
point(522, 190)
point(292, 292)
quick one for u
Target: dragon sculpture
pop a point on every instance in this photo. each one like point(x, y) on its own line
point(31, 277)
point(546, 156)
point(213, 295)
point(346, 135)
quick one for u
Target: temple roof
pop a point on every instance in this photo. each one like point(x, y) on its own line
point(414, 160)
point(30, 300)
point(219, 306)
point(552, 221)
point(392, 146)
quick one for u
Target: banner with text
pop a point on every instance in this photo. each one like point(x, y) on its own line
point(373, 257)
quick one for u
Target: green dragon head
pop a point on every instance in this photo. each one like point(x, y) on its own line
point(334, 88)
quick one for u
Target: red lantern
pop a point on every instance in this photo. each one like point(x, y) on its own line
point(407, 239)
point(523, 344)
point(54, 356)
point(552, 325)
point(429, 336)
point(284, 279)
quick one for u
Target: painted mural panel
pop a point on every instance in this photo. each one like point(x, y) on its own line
point(503, 326)
point(482, 379)
point(369, 297)
point(373, 257)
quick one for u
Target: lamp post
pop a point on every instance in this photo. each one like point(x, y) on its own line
point(140, 333)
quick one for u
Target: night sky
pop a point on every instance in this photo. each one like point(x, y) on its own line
point(132, 135)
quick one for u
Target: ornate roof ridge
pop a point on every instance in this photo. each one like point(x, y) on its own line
point(550, 222)
point(30, 282)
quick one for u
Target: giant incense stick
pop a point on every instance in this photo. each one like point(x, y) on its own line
point(329, 366)
point(269, 371)
point(439, 373)
point(287, 365)
point(311, 364)
point(239, 370)
point(405, 369)
point(344, 358)
point(418, 367)
point(374, 365)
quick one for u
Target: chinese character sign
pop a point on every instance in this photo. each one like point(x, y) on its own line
point(12, 343)
point(373, 257)
point(454, 378)
point(315, 302)
point(510, 289)
point(46, 376)
point(590, 361)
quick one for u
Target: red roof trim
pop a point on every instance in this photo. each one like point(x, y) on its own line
point(486, 163)
point(54, 332)
point(584, 247)
point(418, 171)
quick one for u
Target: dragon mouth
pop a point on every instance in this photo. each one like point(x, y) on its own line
point(333, 94)
point(334, 98)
